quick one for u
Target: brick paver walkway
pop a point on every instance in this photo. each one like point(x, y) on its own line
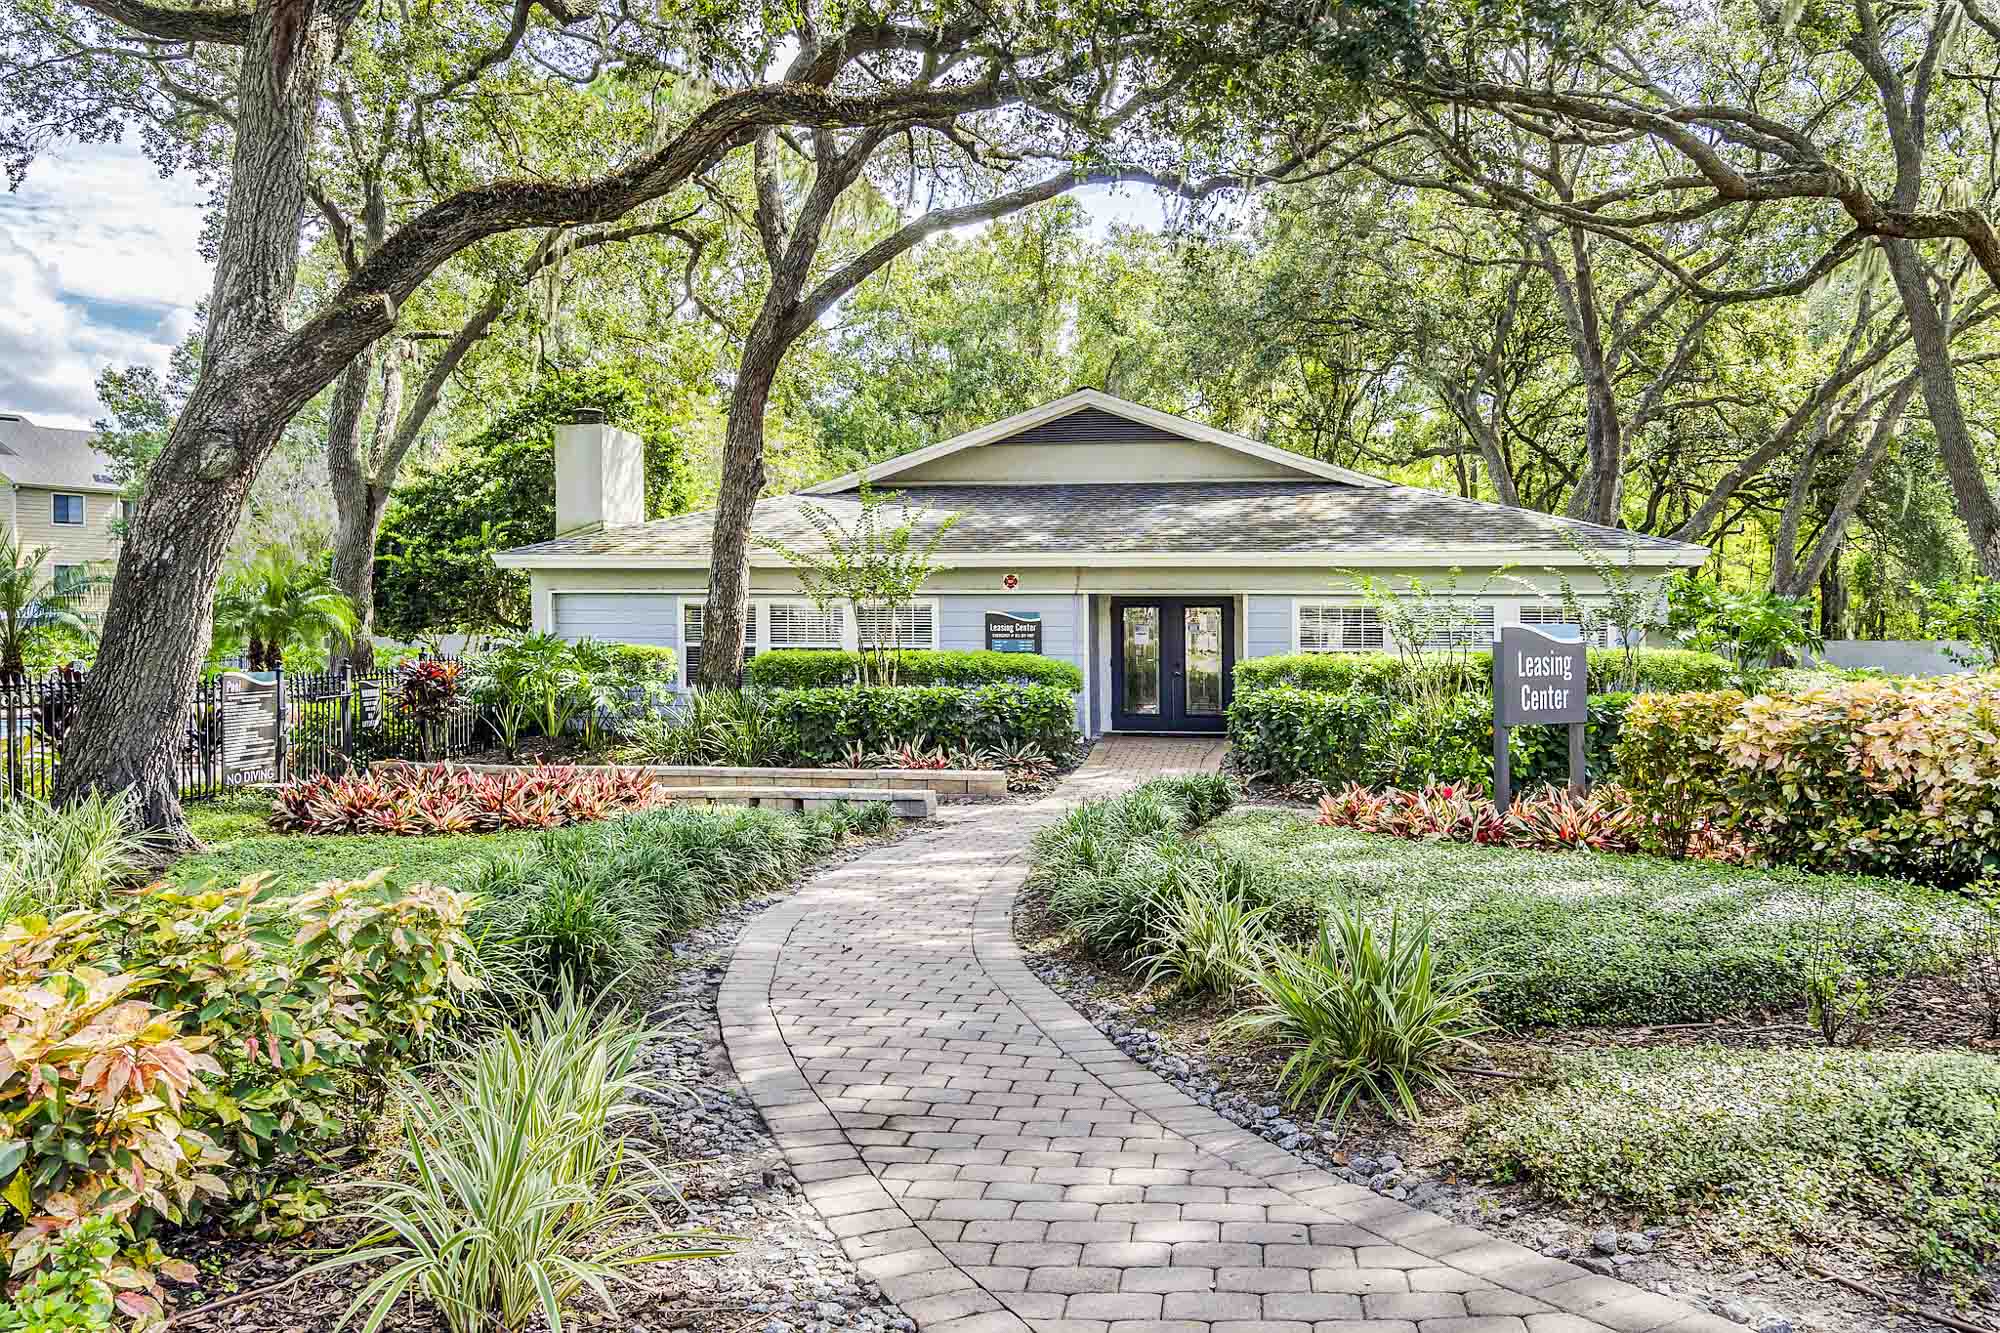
point(989, 1158)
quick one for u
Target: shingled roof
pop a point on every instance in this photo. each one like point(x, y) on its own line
point(50, 456)
point(1192, 522)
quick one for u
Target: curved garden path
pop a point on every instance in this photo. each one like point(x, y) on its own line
point(989, 1158)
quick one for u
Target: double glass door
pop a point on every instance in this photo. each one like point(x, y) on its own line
point(1170, 663)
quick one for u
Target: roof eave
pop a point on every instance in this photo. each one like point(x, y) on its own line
point(1680, 556)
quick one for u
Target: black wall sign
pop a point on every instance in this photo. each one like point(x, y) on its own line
point(1014, 631)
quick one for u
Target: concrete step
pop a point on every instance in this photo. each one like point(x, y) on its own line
point(907, 803)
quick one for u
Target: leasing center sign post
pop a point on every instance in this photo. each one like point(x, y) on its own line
point(1538, 680)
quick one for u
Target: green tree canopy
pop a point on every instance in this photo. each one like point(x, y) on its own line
point(497, 489)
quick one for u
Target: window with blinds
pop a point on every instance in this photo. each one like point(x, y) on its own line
point(691, 618)
point(1473, 629)
point(1326, 628)
point(802, 625)
point(1598, 636)
point(912, 626)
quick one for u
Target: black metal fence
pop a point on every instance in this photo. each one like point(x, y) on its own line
point(242, 729)
point(337, 720)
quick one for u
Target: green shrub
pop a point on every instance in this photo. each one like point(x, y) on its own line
point(1333, 673)
point(1886, 777)
point(1768, 1148)
point(1672, 670)
point(1877, 776)
point(1365, 1015)
point(1573, 938)
point(54, 857)
point(643, 661)
point(811, 668)
point(1670, 758)
point(515, 1196)
point(1540, 755)
point(821, 725)
point(596, 901)
point(1287, 732)
point(368, 970)
point(70, 1295)
point(1422, 743)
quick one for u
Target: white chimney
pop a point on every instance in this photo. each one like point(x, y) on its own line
point(600, 475)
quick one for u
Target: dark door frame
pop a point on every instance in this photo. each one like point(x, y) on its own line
point(1173, 664)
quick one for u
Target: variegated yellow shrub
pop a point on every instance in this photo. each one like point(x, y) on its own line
point(93, 1085)
point(1892, 777)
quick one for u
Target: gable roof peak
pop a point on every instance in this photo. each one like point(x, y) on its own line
point(1078, 400)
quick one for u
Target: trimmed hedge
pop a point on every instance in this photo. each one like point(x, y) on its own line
point(1670, 670)
point(1289, 734)
point(647, 660)
point(819, 725)
point(810, 668)
point(1888, 777)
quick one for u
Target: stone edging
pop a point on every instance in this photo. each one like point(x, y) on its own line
point(1545, 1285)
point(946, 782)
point(902, 1260)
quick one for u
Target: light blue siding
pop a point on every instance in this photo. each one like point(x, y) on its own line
point(962, 626)
point(1268, 626)
point(619, 617)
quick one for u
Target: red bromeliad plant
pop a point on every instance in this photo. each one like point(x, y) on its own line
point(1602, 821)
point(437, 799)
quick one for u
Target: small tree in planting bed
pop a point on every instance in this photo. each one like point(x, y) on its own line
point(873, 568)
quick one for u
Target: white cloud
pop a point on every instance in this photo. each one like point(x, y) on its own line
point(98, 266)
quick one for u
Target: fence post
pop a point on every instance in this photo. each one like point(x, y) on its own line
point(344, 718)
point(283, 737)
point(10, 687)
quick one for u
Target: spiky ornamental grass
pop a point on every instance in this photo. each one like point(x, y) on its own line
point(56, 857)
point(1366, 1014)
point(516, 1193)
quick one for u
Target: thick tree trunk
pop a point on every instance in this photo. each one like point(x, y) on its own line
point(742, 484)
point(353, 528)
point(1599, 485)
point(358, 510)
point(1832, 599)
point(132, 719)
point(1930, 336)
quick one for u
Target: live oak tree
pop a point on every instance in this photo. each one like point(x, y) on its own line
point(1861, 124)
point(246, 92)
point(986, 167)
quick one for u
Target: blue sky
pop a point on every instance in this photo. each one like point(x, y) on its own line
point(99, 266)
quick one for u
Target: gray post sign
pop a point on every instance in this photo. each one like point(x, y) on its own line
point(1539, 679)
